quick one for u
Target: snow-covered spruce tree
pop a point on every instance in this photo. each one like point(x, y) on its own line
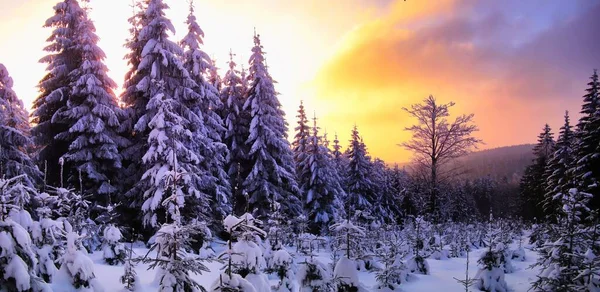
point(283, 264)
point(393, 271)
point(112, 247)
point(208, 135)
point(77, 269)
point(272, 178)
point(173, 263)
point(130, 279)
point(348, 240)
point(213, 75)
point(91, 115)
point(533, 183)
point(586, 170)
point(490, 276)
point(166, 124)
point(18, 261)
point(560, 266)
point(359, 187)
point(300, 144)
point(557, 170)
point(14, 135)
point(230, 281)
point(134, 106)
point(16, 197)
point(63, 57)
point(417, 263)
point(320, 184)
point(314, 276)
point(46, 235)
point(237, 125)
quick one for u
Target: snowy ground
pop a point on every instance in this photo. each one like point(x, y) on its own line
point(442, 275)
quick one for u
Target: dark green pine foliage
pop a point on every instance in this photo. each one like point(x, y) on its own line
point(15, 137)
point(587, 149)
point(361, 190)
point(534, 181)
point(559, 178)
point(272, 177)
point(63, 57)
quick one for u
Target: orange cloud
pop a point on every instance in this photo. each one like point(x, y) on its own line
point(441, 48)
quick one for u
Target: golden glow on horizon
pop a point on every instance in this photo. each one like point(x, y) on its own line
point(342, 58)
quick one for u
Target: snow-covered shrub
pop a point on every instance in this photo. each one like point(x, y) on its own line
point(490, 276)
point(345, 276)
point(235, 283)
point(283, 266)
point(48, 236)
point(314, 276)
point(173, 263)
point(348, 238)
point(393, 271)
point(17, 259)
point(77, 269)
point(505, 258)
point(245, 257)
point(129, 278)
point(113, 250)
point(417, 265)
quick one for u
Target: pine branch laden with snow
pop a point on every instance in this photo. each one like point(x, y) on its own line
point(272, 175)
point(15, 136)
point(18, 261)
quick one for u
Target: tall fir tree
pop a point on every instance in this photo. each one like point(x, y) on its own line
point(237, 125)
point(15, 137)
point(134, 102)
point(272, 177)
point(337, 148)
point(359, 186)
point(92, 117)
point(167, 122)
point(63, 57)
point(586, 170)
point(208, 143)
point(557, 169)
point(301, 141)
point(320, 185)
point(534, 181)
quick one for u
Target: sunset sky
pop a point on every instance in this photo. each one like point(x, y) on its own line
point(515, 64)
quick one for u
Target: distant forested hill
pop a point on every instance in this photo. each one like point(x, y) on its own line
point(509, 162)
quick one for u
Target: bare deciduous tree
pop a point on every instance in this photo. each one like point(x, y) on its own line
point(435, 141)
